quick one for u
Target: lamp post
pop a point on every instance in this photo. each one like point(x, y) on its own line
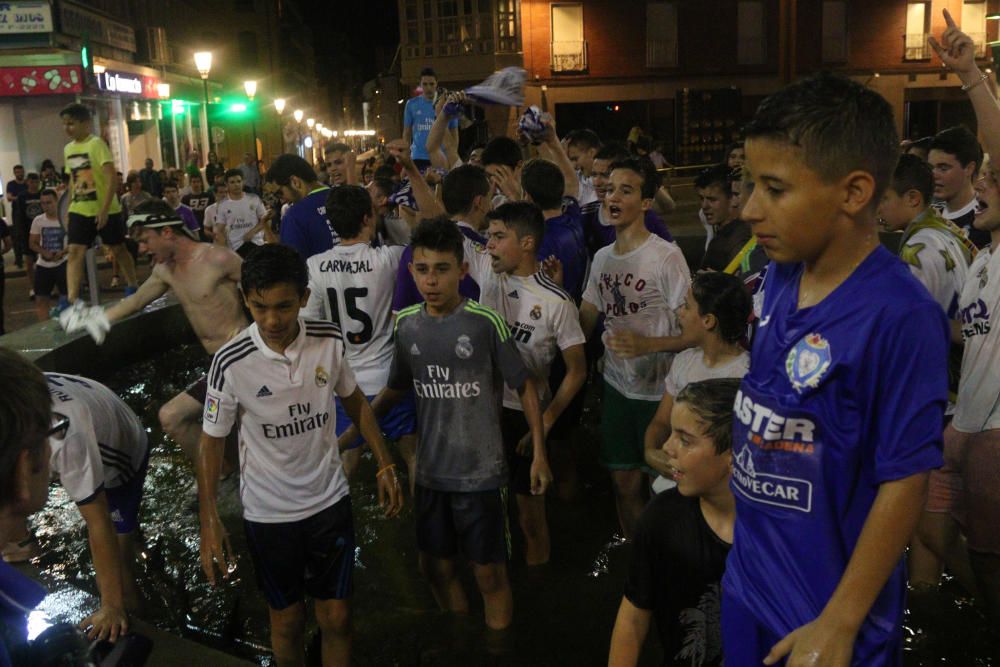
point(279, 106)
point(251, 89)
point(297, 115)
point(310, 122)
point(203, 61)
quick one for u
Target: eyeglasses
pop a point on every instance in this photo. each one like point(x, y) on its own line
point(60, 426)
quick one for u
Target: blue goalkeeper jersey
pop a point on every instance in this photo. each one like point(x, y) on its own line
point(840, 397)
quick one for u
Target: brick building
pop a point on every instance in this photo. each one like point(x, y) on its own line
point(691, 73)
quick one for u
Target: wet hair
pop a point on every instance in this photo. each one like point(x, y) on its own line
point(428, 71)
point(346, 208)
point(612, 151)
point(583, 139)
point(25, 418)
point(271, 265)
point(232, 172)
point(287, 165)
point(77, 112)
point(712, 401)
point(384, 172)
point(961, 143)
point(720, 175)
point(544, 182)
point(336, 147)
point(502, 150)
point(440, 235)
point(49, 192)
point(461, 186)
point(726, 297)
point(912, 173)
point(523, 217)
point(840, 125)
point(385, 186)
point(644, 168)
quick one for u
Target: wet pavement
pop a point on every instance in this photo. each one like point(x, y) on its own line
point(563, 612)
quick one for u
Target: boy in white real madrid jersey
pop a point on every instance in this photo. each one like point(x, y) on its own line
point(456, 355)
point(352, 285)
point(638, 282)
point(543, 321)
point(277, 379)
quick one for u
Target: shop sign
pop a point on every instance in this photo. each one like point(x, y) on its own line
point(77, 20)
point(54, 80)
point(25, 17)
point(126, 83)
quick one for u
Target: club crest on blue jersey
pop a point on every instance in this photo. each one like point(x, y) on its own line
point(463, 348)
point(808, 362)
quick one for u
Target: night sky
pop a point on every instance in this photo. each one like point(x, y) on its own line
point(349, 36)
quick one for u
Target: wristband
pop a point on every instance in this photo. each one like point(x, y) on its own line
point(969, 86)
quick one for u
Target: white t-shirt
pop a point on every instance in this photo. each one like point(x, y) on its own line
point(542, 317)
point(639, 291)
point(937, 261)
point(978, 405)
point(587, 193)
point(53, 239)
point(240, 216)
point(105, 444)
point(289, 462)
point(689, 366)
point(211, 214)
point(352, 286)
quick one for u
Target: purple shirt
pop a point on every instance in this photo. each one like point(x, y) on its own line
point(188, 216)
point(564, 239)
point(407, 293)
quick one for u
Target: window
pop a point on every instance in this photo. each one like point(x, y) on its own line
point(248, 49)
point(834, 31)
point(569, 50)
point(661, 34)
point(974, 24)
point(918, 25)
point(750, 40)
point(508, 39)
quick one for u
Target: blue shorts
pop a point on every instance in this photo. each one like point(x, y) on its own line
point(746, 641)
point(124, 500)
point(313, 556)
point(399, 421)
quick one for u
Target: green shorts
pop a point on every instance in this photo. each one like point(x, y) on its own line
point(623, 429)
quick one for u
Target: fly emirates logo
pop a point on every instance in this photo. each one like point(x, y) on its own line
point(768, 430)
point(439, 385)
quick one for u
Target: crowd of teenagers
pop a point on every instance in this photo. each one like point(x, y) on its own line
point(780, 423)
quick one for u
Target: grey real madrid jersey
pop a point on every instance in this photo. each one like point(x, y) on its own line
point(457, 366)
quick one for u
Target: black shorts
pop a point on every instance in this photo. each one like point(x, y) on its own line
point(48, 277)
point(513, 426)
point(473, 522)
point(82, 230)
point(314, 556)
point(565, 426)
point(198, 390)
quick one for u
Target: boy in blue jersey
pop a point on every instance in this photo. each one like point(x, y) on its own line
point(418, 117)
point(305, 226)
point(839, 419)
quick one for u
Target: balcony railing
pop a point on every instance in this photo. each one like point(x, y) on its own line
point(661, 52)
point(569, 56)
point(915, 46)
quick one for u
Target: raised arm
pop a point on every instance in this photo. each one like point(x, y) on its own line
point(153, 288)
point(428, 204)
point(552, 149)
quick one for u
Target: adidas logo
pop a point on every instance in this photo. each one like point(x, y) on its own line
point(514, 295)
point(263, 392)
point(414, 349)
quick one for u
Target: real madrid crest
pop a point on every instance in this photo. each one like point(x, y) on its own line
point(536, 312)
point(463, 348)
point(322, 377)
point(808, 362)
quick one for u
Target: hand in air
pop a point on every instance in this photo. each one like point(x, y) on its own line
point(956, 49)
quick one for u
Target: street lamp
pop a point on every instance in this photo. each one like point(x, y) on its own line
point(310, 122)
point(279, 106)
point(251, 89)
point(297, 115)
point(203, 61)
